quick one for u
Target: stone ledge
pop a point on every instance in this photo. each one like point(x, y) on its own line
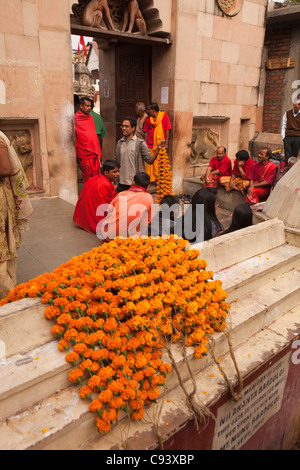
point(226, 200)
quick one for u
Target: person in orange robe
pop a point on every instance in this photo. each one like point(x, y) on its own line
point(88, 149)
point(157, 128)
point(98, 191)
point(130, 212)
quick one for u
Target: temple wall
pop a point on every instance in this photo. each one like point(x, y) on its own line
point(217, 74)
point(211, 73)
point(36, 88)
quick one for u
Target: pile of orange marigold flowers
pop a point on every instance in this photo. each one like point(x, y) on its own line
point(115, 307)
point(164, 175)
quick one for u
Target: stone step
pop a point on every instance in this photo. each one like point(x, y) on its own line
point(226, 200)
point(232, 248)
point(23, 326)
point(246, 276)
point(63, 422)
point(251, 313)
point(210, 386)
point(31, 377)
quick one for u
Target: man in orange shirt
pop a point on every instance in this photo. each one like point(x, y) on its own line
point(130, 213)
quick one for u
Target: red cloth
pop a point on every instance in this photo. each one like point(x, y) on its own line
point(224, 166)
point(246, 167)
point(98, 190)
point(258, 174)
point(149, 129)
point(88, 149)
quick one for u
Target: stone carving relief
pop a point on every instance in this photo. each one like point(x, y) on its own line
point(230, 7)
point(115, 15)
point(83, 81)
point(203, 145)
point(21, 142)
point(133, 17)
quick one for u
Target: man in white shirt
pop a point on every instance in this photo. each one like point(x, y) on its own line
point(290, 132)
point(131, 154)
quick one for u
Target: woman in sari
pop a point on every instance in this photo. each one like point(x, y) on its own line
point(157, 129)
point(15, 208)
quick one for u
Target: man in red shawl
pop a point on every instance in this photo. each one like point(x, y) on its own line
point(88, 149)
point(262, 176)
point(98, 191)
point(219, 166)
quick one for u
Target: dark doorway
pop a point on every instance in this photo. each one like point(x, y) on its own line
point(133, 80)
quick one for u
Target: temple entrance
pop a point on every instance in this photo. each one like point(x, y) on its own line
point(133, 80)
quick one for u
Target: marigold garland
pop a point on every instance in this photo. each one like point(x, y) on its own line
point(115, 307)
point(164, 175)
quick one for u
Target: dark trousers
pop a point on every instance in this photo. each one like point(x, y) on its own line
point(291, 147)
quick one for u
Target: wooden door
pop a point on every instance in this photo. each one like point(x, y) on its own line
point(133, 81)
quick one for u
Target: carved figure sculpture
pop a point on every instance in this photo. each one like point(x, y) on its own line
point(133, 17)
point(95, 12)
point(204, 144)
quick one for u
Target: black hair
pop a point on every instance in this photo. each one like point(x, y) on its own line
point(142, 179)
point(109, 165)
point(269, 152)
point(241, 217)
point(132, 121)
point(212, 226)
point(154, 106)
point(85, 98)
point(242, 155)
point(169, 200)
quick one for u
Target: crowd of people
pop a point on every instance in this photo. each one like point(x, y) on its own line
point(115, 200)
point(126, 209)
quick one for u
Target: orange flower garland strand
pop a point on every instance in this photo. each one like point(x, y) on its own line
point(115, 307)
point(164, 175)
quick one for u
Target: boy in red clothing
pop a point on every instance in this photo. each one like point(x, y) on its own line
point(240, 179)
point(97, 191)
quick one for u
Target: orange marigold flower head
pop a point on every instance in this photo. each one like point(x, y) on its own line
point(102, 425)
point(75, 376)
point(137, 415)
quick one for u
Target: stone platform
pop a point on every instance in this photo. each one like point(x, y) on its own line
point(261, 273)
point(226, 200)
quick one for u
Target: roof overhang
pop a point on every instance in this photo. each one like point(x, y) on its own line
point(285, 15)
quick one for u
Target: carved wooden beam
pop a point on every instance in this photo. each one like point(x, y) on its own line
point(117, 36)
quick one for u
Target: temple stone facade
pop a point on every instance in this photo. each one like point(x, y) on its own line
point(203, 68)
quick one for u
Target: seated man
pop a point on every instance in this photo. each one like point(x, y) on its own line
point(219, 166)
point(98, 190)
point(283, 171)
point(164, 221)
point(130, 212)
point(239, 180)
point(262, 176)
